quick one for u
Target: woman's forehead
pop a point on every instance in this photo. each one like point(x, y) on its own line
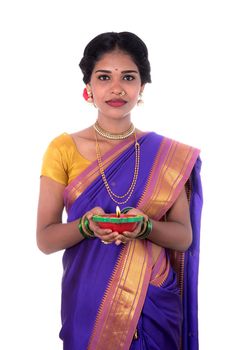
point(115, 61)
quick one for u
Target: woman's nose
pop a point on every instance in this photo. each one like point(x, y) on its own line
point(119, 92)
point(116, 88)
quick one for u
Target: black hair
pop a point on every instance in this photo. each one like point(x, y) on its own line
point(127, 42)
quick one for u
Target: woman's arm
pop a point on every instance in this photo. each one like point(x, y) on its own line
point(176, 232)
point(52, 234)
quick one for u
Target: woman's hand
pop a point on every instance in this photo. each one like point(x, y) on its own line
point(127, 236)
point(105, 235)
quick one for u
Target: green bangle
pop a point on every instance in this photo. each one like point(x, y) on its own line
point(81, 230)
point(86, 223)
point(126, 210)
point(147, 231)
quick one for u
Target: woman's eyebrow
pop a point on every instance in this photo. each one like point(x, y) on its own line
point(130, 71)
point(109, 71)
point(102, 71)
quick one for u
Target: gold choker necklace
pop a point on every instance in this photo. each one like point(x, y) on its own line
point(112, 136)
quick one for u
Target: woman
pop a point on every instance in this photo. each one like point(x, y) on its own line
point(135, 290)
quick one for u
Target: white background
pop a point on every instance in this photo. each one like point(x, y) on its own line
point(191, 99)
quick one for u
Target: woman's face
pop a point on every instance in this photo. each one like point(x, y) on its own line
point(115, 84)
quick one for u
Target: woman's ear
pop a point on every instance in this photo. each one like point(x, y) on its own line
point(87, 93)
point(88, 87)
point(142, 88)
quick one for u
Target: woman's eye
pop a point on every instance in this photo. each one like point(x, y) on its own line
point(103, 77)
point(128, 77)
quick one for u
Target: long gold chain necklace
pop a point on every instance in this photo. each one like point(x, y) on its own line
point(113, 136)
point(129, 193)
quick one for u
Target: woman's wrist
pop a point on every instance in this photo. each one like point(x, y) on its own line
point(84, 229)
point(146, 229)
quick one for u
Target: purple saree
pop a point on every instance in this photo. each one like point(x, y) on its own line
point(119, 297)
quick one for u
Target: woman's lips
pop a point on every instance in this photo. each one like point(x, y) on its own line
point(116, 103)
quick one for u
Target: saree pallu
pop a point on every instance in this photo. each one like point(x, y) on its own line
point(121, 297)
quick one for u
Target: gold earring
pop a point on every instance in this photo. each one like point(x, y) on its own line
point(90, 96)
point(140, 101)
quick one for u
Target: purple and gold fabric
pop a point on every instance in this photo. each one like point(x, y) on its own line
point(121, 297)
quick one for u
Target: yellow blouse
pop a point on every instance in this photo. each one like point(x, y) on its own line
point(62, 161)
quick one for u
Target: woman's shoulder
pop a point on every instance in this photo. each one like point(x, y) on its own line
point(152, 135)
point(85, 134)
point(61, 140)
point(61, 149)
point(63, 143)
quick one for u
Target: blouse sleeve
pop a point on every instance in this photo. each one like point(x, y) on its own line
point(54, 164)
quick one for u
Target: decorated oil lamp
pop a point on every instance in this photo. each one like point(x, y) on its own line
point(118, 221)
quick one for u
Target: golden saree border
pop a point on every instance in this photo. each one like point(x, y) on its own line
point(170, 171)
point(177, 262)
point(124, 298)
point(160, 270)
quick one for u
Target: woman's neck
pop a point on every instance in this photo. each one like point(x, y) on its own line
point(114, 125)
